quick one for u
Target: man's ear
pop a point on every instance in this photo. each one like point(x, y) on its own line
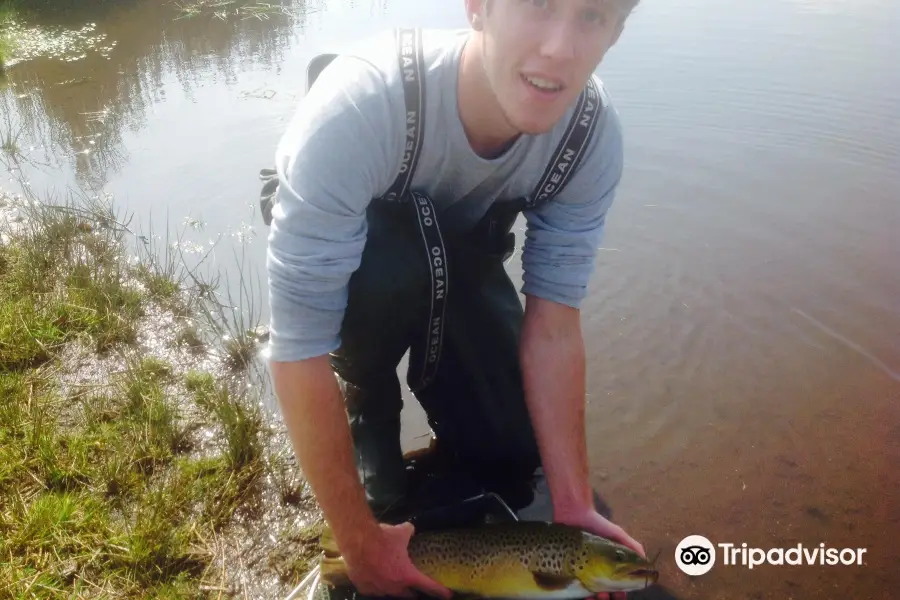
point(475, 13)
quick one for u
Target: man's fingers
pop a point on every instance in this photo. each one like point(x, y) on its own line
point(633, 544)
point(431, 587)
point(434, 590)
point(629, 541)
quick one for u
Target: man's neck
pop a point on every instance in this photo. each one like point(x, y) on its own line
point(486, 127)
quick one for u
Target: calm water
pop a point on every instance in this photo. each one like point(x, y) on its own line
point(744, 326)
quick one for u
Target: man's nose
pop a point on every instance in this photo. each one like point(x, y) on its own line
point(559, 40)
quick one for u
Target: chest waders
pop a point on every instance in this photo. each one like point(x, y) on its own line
point(446, 298)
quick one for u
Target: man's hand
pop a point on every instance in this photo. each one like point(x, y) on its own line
point(376, 554)
point(592, 521)
point(381, 566)
point(553, 362)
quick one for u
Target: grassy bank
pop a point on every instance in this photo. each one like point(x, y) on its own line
point(135, 460)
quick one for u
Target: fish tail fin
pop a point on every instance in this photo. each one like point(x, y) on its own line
point(332, 568)
point(328, 543)
point(333, 571)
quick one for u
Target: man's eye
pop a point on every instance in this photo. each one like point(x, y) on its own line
point(594, 16)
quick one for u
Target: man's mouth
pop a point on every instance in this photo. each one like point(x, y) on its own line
point(542, 84)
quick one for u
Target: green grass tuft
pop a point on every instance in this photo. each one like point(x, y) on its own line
point(242, 422)
point(108, 489)
point(64, 278)
point(115, 497)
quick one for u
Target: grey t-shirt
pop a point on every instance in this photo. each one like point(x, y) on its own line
point(343, 148)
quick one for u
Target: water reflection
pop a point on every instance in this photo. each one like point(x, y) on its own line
point(73, 108)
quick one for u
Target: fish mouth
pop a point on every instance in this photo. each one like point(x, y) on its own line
point(647, 574)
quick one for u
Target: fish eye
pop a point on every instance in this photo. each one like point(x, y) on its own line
point(620, 555)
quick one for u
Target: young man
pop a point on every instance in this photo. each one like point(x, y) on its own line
point(362, 269)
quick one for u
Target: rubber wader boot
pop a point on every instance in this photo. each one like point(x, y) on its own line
point(375, 430)
point(388, 298)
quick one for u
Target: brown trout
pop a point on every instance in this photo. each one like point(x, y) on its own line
point(523, 559)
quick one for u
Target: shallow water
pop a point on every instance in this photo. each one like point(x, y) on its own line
point(743, 330)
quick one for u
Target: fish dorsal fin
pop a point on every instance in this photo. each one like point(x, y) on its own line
point(552, 581)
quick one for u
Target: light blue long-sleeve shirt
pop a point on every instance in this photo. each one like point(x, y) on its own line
point(343, 148)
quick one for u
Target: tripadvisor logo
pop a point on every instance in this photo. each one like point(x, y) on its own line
point(696, 555)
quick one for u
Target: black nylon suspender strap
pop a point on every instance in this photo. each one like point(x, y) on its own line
point(571, 147)
point(437, 263)
point(565, 161)
point(412, 70)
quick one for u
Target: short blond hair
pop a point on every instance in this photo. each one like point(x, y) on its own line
point(626, 6)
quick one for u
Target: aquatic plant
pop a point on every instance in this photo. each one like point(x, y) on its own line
point(55, 42)
point(225, 9)
point(7, 15)
point(5, 50)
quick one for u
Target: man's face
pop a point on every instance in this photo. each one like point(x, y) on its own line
point(539, 54)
